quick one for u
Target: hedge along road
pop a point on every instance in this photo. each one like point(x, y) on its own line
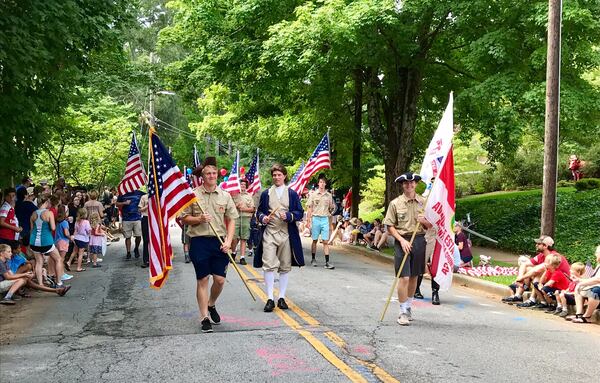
point(113, 327)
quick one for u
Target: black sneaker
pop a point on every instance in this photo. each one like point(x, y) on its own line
point(551, 309)
point(527, 304)
point(214, 315)
point(269, 306)
point(281, 304)
point(144, 265)
point(136, 252)
point(512, 299)
point(128, 256)
point(243, 261)
point(329, 266)
point(541, 306)
point(7, 301)
point(187, 258)
point(418, 295)
point(206, 326)
point(435, 298)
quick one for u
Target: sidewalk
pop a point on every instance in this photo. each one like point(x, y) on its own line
point(496, 254)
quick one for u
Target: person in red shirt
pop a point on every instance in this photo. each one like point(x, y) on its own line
point(567, 297)
point(9, 224)
point(532, 272)
point(557, 280)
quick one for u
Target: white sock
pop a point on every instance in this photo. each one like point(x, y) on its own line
point(409, 302)
point(402, 308)
point(269, 281)
point(283, 282)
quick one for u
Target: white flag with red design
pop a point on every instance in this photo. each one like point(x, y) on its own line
point(441, 201)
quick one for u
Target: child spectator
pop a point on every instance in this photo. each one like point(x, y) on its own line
point(566, 297)
point(81, 238)
point(589, 289)
point(96, 239)
point(371, 235)
point(464, 245)
point(62, 238)
point(17, 259)
point(556, 281)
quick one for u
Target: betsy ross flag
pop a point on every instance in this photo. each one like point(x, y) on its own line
point(232, 185)
point(440, 206)
point(588, 271)
point(295, 182)
point(168, 194)
point(134, 177)
point(196, 181)
point(320, 159)
point(253, 176)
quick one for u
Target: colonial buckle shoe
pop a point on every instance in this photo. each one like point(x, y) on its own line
point(269, 306)
point(281, 304)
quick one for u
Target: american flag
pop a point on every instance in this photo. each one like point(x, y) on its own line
point(196, 181)
point(589, 270)
point(320, 159)
point(232, 185)
point(168, 194)
point(295, 182)
point(134, 177)
point(253, 176)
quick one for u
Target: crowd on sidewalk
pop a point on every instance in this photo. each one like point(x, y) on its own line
point(49, 231)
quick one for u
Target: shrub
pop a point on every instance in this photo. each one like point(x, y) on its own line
point(513, 219)
point(587, 184)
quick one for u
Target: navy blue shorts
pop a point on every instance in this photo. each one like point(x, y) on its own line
point(207, 257)
point(549, 290)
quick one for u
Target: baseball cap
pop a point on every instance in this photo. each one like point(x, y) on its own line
point(546, 240)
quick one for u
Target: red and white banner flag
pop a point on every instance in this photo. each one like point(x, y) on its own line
point(441, 200)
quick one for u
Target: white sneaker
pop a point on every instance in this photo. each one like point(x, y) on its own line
point(403, 320)
point(409, 314)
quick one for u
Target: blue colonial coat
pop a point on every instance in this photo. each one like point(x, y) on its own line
point(296, 213)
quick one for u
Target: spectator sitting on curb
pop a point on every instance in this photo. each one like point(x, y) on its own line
point(567, 297)
point(531, 271)
point(556, 281)
point(588, 289)
point(13, 282)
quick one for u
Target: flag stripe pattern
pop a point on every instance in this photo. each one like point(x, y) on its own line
point(134, 177)
point(588, 271)
point(232, 184)
point(320, 159)
point(253, 177)
point(295, 181)
point(168, 194)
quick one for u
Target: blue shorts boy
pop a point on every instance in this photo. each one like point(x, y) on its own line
point(207, 257)
point(320, 225)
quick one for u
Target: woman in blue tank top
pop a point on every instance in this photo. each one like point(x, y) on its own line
point(41, 240)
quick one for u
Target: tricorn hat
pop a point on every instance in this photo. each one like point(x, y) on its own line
point(408, 176)
point(208, 161)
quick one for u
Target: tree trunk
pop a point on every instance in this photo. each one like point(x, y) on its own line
point(392, 118)
point(357, 140)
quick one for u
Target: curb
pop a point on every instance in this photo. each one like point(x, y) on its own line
point(458, 279)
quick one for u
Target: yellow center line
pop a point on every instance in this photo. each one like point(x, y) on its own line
point(333, 337)
point(317, 344)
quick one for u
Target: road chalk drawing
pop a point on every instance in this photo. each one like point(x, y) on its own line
point(282, 361)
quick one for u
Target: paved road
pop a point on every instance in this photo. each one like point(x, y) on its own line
point(112, 327)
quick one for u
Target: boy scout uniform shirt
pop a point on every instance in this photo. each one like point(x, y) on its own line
point(321, 203)
point(246, 200)
point(403, 212)
point(218, 204)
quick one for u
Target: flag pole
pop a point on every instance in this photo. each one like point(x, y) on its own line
point(229, 255)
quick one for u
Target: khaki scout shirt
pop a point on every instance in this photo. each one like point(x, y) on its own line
point(218, 204)
point(246, 200)
point(403, 212)
point(321, 203)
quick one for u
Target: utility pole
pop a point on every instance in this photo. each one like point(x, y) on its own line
point(552, 118)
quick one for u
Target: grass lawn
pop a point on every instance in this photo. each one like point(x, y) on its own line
point(501, 279)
